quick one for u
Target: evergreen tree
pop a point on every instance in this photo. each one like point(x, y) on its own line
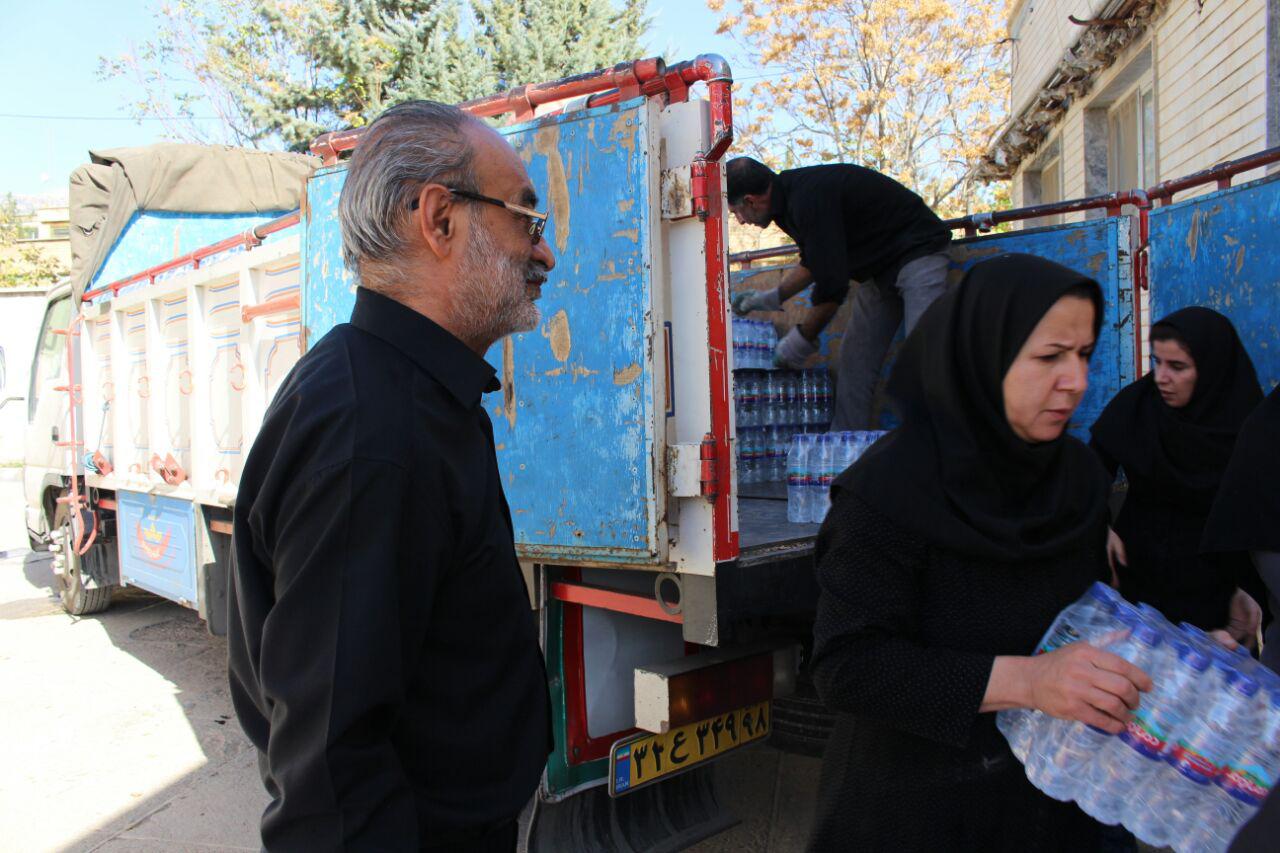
point(284, 71)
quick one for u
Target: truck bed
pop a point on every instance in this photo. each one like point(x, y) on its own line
point(763, 530)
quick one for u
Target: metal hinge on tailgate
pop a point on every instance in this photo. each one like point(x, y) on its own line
point(691, 469)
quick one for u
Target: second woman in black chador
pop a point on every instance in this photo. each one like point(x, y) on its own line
point(1172, 433)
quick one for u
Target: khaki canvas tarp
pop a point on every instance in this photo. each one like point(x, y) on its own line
point(108, 190)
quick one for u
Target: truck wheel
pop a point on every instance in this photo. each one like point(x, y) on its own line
point(69, 568)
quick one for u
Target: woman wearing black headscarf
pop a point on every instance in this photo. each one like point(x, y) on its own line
point(949, 549)
point(1172, 433)
point(1245, 519)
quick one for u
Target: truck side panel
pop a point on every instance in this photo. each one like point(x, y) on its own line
point(155, 236)
point(1219, 251)
point(580, 388)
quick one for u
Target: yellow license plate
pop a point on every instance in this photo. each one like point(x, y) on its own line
point(643, 759)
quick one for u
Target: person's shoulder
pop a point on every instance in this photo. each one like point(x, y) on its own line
point(856, 518)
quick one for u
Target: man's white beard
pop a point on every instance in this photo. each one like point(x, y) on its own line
point(493, 294)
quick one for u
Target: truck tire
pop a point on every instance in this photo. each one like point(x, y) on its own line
point(69, 568)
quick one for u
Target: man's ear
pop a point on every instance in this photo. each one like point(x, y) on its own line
point(436, 219)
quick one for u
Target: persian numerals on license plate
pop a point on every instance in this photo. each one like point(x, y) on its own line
point(645, 758)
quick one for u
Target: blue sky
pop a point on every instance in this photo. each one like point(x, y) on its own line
point(49, 53)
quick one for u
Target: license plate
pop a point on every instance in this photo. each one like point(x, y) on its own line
point(645, 758)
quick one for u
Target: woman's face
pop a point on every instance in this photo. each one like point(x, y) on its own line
point(1044, 384)
point(1175, 372)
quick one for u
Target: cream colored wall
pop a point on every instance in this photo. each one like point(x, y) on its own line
point(1211, 85)
point(1041, 36)
point(1210, 81)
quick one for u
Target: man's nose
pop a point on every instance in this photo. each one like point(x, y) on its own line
point(542, 253)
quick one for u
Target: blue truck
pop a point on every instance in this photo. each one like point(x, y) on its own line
point(671, 599)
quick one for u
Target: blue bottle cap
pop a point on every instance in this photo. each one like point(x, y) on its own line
point(1193, 657)
point(1193, 631)
point(1244, 685)
point(1102, 592)
point(1127, 614)
point(1147, 634)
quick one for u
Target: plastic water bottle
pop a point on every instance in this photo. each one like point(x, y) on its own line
point(790, 393)
point(847, 451)
point(822, 465)
point(765, 344)
point(797, 467)
point(768, 414)
point(1246, 779)
point(1065, 774)
point(826, 398)
point(1084, 619)
point(1176, 810)
point(1132, 761)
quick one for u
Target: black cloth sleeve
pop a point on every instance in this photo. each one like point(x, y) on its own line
point(1107, 460)
point(866, 660)
point(349, 557)
point(824, 254)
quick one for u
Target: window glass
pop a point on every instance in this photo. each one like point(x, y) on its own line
point(51, 353)
point(1123, 172)
point(1150, 176)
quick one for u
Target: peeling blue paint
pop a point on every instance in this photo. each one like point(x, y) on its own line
point(573, 423)
point(1220, 251)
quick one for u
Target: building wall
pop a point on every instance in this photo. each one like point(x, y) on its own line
point(21, 312)
point(1041, 34)
point(1211, 65)
point(1208, 69)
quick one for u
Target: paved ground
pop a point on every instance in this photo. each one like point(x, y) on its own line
point(119, 734)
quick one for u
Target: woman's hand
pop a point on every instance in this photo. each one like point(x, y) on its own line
point(1243, 618)
point(1081, 682)
point(1115, 556)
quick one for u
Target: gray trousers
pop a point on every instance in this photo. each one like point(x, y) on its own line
point(1268, 563)
point(877, 311)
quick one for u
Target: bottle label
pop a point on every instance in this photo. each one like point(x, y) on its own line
point(1249, 784)
point(795, 479)
point(1193, 765)
point(824, 480)
point(1061, 635)
point(1144, 735)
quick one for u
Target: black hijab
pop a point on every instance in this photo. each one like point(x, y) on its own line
point(1183, 452)
point(955, 473)
point(1246, 512)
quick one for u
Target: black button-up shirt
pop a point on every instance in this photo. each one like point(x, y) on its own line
point(383, 653)
point(851, 222)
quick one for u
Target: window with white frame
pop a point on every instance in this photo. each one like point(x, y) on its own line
point(1131, 143)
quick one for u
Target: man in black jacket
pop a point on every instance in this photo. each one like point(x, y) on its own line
point(850, 222)
point(383, 654)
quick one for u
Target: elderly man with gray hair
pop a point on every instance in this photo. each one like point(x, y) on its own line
point(383, 655)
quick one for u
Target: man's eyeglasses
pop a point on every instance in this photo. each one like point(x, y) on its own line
point(537, 221)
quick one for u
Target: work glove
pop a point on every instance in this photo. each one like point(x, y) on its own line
point(746, 301)
point(793, 350)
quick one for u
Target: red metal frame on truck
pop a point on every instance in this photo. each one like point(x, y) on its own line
point(649, 78)
point(1113, 203)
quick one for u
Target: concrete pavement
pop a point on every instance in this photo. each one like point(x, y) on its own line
point(120, 734)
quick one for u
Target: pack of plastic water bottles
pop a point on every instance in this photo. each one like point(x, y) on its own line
point(813, 462)
point(753, 344)
point(1199, 755)
point(771, 406)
